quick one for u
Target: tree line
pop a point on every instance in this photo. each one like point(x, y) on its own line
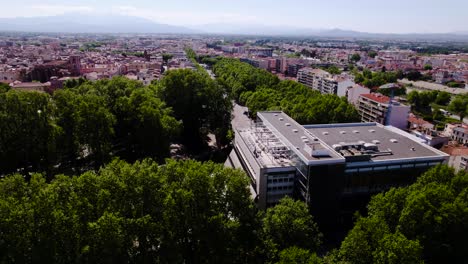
point(260, 90)
point(180, 212)
point(87, 123)
point(192, 212)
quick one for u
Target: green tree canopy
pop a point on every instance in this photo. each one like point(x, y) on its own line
point(141, 213)
point(423, 222)
point(459, 106)
point(289, 224)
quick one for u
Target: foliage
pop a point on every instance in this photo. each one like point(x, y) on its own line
point(372, 54)
point(166, 57)
point(396, 92)
point(86, 123)
point(199, 102)
point(238, 77)
point(262, 91)
point(4, 87)
point(141, 213)
point(455, 85)
point(427, 67)
point(289, 224)
point(180, 212)
point(376, 79)
point(332, 69)
point(459, 106)
point(27, 131)
point(355, 57)
point(423, 222)
point(421, 101)
point(295, 255)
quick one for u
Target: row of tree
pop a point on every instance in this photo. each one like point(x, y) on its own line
point(426, 102)
point(181, 212)
point(260, 90)
point(189, 212)
point(87, 123)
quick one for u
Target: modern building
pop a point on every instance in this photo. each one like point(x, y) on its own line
point(335, 168)
point(375, 108)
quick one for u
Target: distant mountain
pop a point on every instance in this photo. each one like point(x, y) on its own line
point(329, 33)
point(223, 28)
point(74, 23)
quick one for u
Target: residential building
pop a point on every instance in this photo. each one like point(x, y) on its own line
point(324, 82)
point(460, 134)
point(353, 93)
point(293, 69)
point(375, 108)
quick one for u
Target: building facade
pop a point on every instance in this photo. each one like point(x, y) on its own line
point(375, 108)
point(335, 168)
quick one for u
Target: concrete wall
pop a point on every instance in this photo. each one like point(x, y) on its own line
point(399, 116)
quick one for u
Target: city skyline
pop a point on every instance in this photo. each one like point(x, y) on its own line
point(362, 15)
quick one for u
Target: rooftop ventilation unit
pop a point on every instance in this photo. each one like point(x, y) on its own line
point(372, 130)
point(281, 119)
point(376, 142)
point(287, 124)
point(355, 132)
point(295, 130)
point(276, 114)
point(337, 147)
point(304, 137)
point(342, 132)
point(393, 140)
point(325, 133)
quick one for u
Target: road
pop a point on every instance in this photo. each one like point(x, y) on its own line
point(239, 119)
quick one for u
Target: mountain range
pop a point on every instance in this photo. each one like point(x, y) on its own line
point(78, 23)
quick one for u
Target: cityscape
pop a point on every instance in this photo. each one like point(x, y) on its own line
point(139, 133)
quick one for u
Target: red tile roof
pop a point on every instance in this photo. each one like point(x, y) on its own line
point(377, 98)
point(418, 121)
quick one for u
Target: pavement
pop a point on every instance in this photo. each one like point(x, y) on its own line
point(239, 119)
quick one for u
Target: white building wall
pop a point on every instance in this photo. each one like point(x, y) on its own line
point(355, 92)
point(343, 86)
point(399, 116)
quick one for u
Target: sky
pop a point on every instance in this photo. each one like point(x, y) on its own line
point(375, 16)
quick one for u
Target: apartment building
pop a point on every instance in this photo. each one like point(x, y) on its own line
point(460, 134)
point(324, 82)
point(375, 108)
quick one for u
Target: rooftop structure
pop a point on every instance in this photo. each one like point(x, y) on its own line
point(335, 167)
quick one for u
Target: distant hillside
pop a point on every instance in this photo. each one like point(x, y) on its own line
point(89, 24)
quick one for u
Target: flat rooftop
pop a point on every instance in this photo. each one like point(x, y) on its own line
point(402, 145)
point(296, 137)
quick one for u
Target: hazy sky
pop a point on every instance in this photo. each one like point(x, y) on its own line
point(385, 16)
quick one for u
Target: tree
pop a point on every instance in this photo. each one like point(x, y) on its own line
point(459, 106)
point(427, 67)
point(4, 87)
point(290, 224)
point(443, 98)
point(130, 213)
point(422, 222)
point(166, 57)
point(372, 54)
point(28, 131)
point(295, 255)
point(198, 101)
point(355, 57)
